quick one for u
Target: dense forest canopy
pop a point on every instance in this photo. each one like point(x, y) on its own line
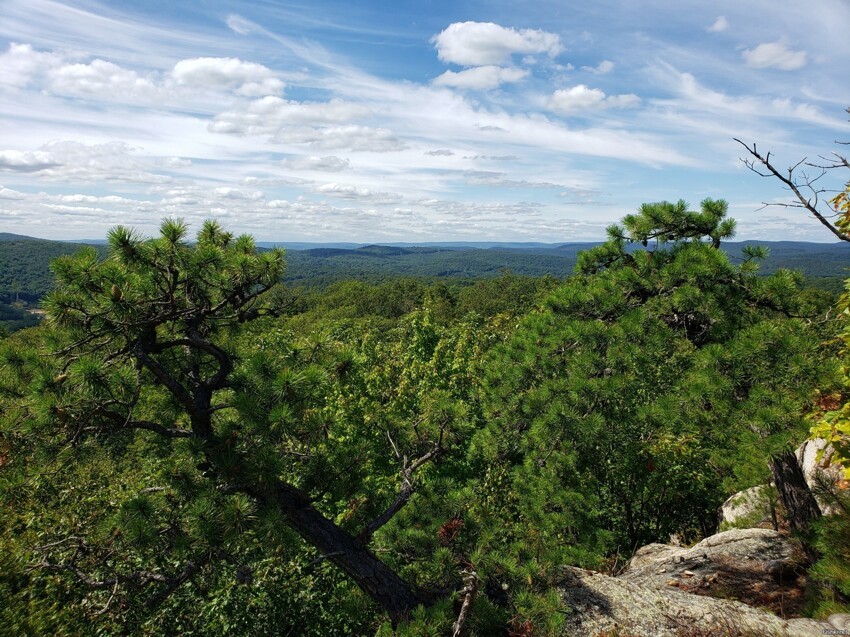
point(25, 275)
point(189, 447)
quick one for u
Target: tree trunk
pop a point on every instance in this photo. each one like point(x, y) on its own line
point(370, 574)
point(801, 507)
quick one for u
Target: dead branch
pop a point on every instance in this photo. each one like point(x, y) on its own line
point(470, 589)
point(407, 488)
point(794, 184)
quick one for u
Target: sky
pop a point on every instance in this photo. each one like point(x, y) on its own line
point(411, 121)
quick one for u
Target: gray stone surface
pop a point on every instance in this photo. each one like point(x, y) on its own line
point(748, 509)
point(747, 553)
point(655, 596)
point(815, 458)
point(597, 603)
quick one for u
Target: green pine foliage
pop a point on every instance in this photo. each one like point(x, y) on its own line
point(500, 428)
point(650, 383)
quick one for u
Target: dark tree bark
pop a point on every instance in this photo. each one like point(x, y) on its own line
point(370, 574)
point(801, 507)
point(168, 336)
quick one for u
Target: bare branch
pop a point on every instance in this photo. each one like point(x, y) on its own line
point(136, 579)
point(175, 388)
point(469, 591)
point(793, 185)
point(196, 341)
point(407, 488)
point(191, 569)
point(128, 423)
point(169, 432)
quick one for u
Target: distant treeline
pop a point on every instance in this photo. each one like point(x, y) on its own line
point(25, 275)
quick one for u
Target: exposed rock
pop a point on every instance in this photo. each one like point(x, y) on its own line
point(599, 604)
point(820, 472)
point(840, 621)
point(751, 508)
point(754, 507)
point(736, 552)
point(667, 590)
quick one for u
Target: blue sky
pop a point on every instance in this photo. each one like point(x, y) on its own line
point(410, 121)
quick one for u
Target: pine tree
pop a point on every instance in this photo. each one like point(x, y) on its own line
point(153, 363)
point(643, 377)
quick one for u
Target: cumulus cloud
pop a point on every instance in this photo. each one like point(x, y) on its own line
point(269, 114)
point(21, 65)
point(247, 78)
point(330, 164)
point(100, 77)
point(235, 193)
point(775, 55)
point(75, 161)
point(8, 193)
point(721, 24)
point(353, 137)
point(580, 97)
point(26, 161)
point(605, 66)
point(350, 191)
point(481, 43)
point(481, 77)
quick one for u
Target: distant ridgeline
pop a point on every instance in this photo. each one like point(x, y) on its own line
point(25, 264)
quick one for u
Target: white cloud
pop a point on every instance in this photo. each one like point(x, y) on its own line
point(8, 193)
point(234, 193)
point(480, 43)
point(481, 77)
point(75, 161)
point(21, 65)
point(239, 24)
point(580, 97)
point(624, 100)
point(605, 66)
point(775, 55)
point(26, 161)
point(696, 97)
point(493, 178)
point(176, 162)
point(721, 24)
point(362, 138)
point(269, 114)
point(247, 78)
point(100, 78)
point(330, 164)
point(350, 191)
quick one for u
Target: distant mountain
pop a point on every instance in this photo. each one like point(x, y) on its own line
point(8, 236)
point(302, 245)
point(25, 261)
point(25, 265)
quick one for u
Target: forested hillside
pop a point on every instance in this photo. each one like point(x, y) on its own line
point(190, 448)
point(25, 275)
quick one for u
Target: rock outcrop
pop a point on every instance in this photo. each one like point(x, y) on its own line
point(602, 605)
point(751, 508)
point(738, 555)
point(755, 507)
point(669, 591)
point(815, 458)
